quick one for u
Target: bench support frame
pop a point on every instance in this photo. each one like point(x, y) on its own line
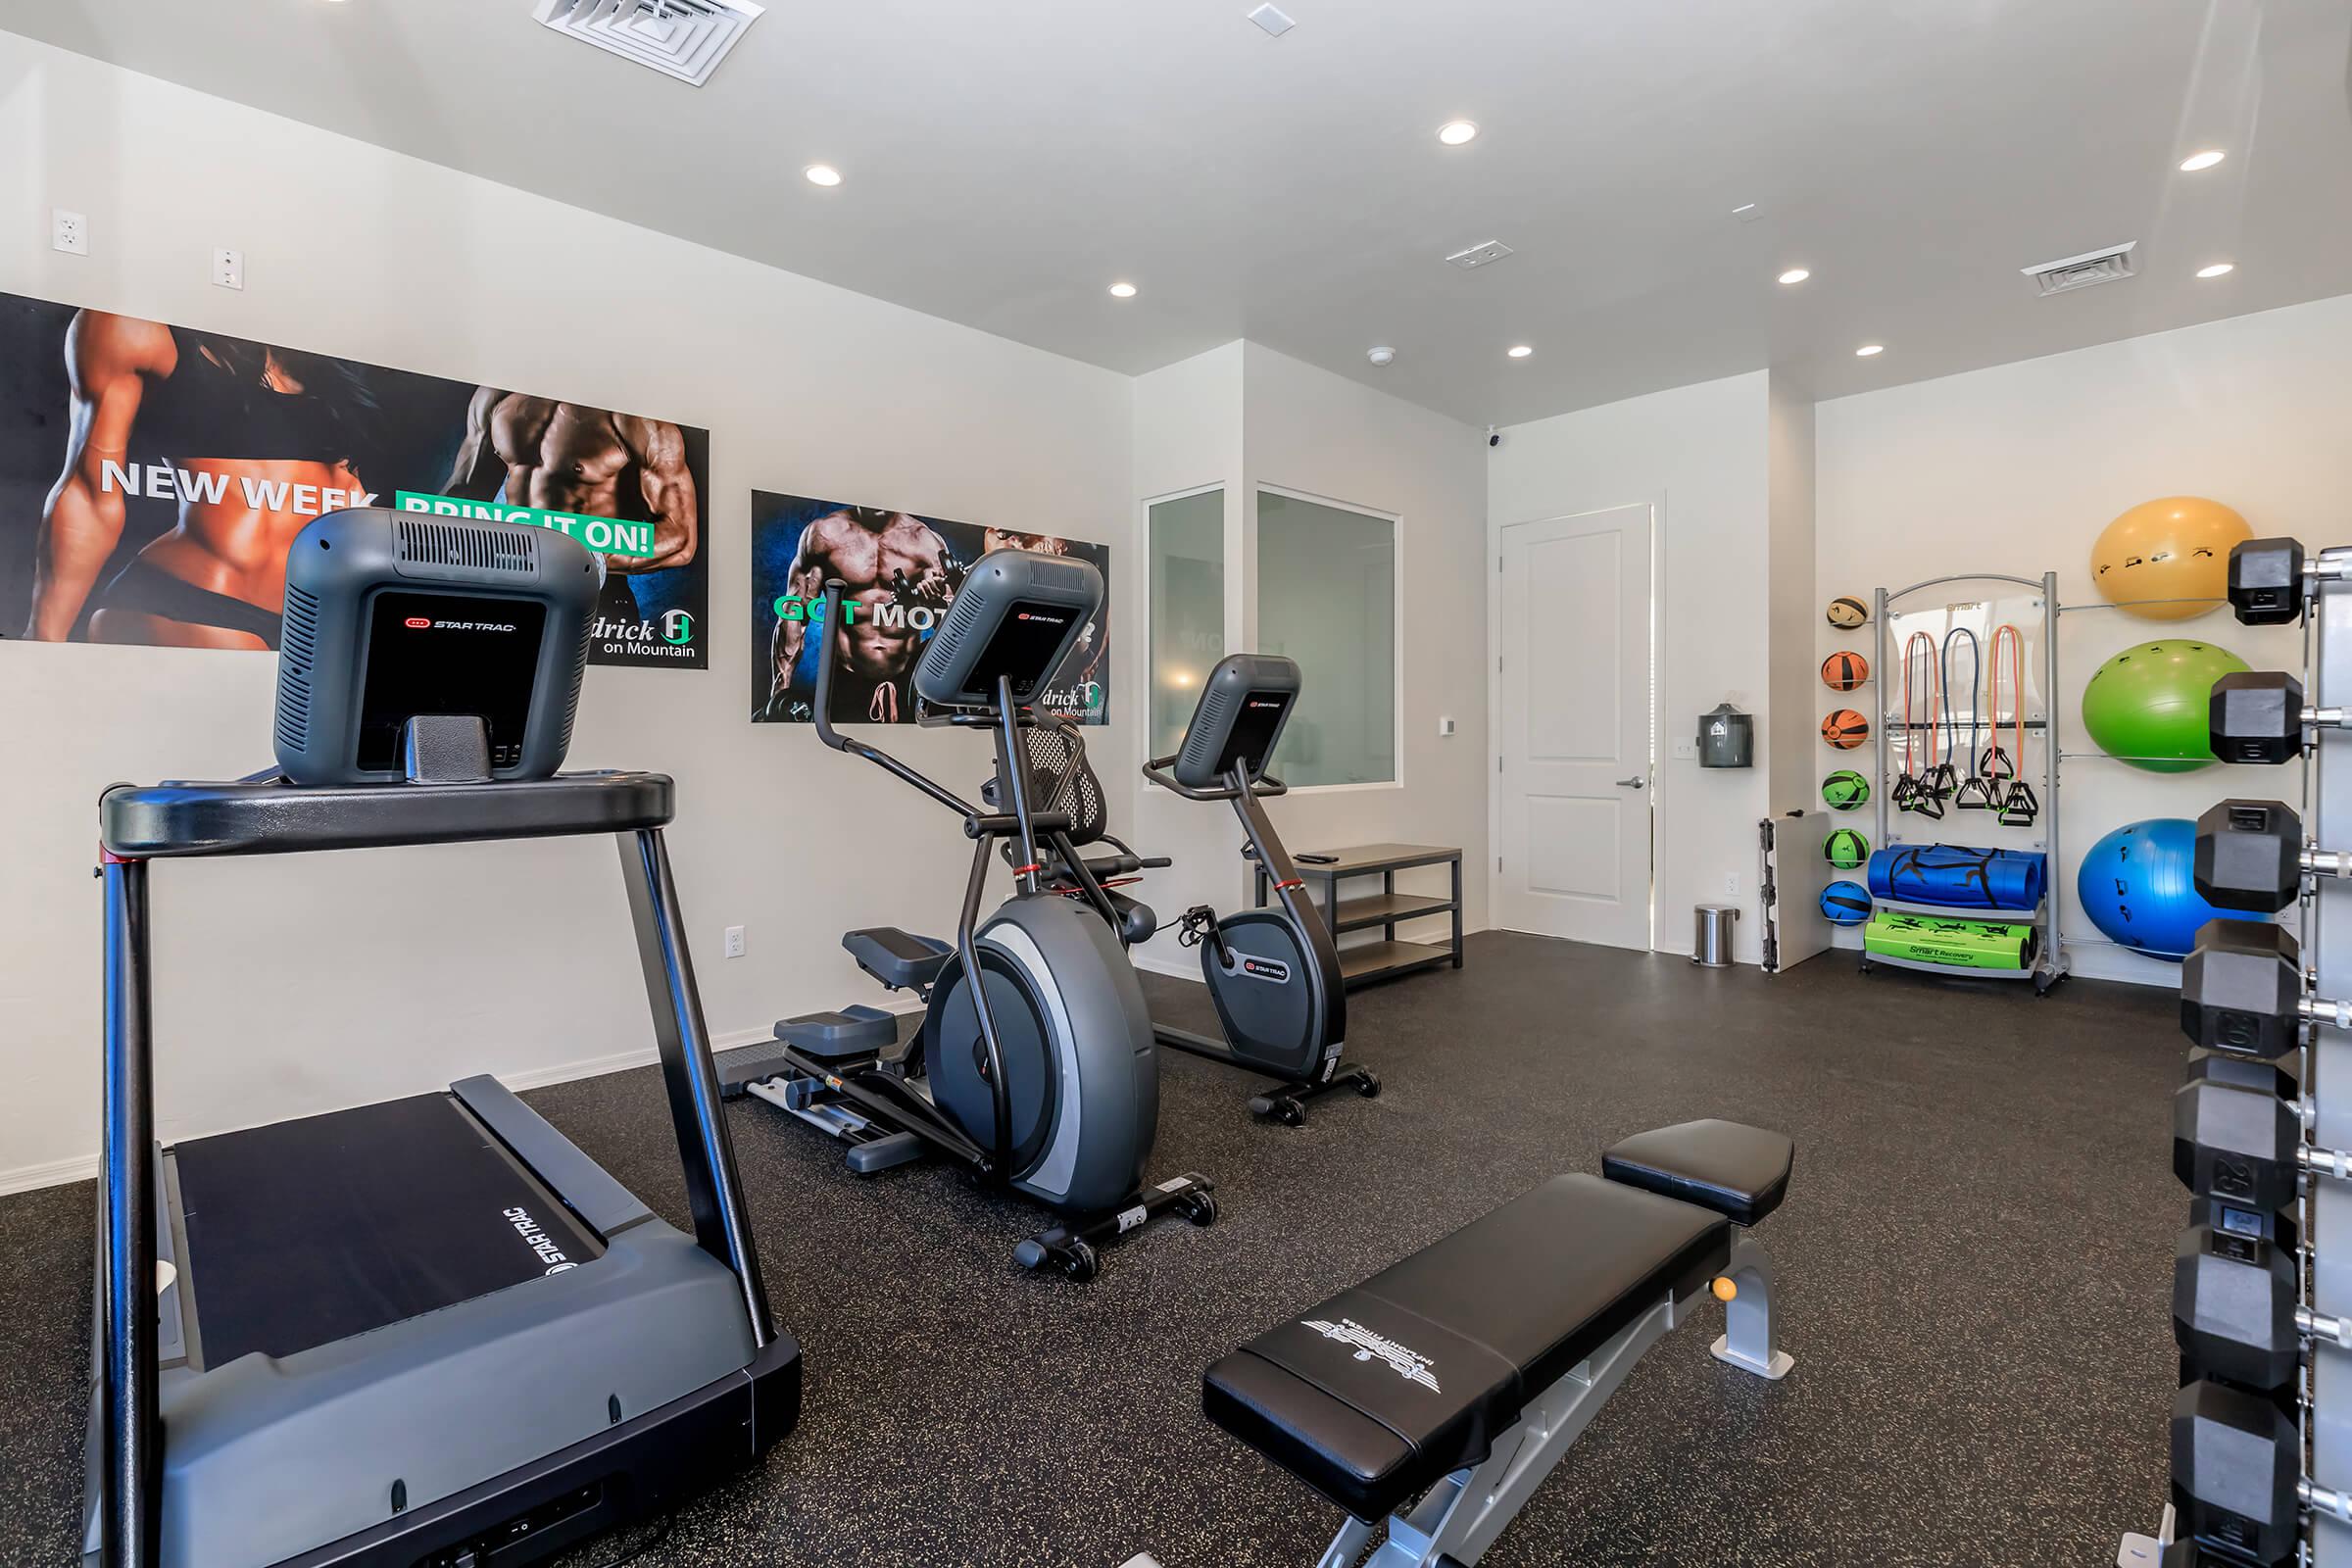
point(1457, 1519)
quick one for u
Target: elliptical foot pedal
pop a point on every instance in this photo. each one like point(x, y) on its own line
point(881, 1153)
point(854, 1031)
point(744, 1065)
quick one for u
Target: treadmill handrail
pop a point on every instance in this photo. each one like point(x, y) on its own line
point(270, 817)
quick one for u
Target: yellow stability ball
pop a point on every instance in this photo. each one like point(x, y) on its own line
point(2176, 549)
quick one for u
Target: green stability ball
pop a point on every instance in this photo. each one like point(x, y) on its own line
point(2149, 706)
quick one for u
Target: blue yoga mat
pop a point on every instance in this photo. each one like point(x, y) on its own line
point(1958, 877)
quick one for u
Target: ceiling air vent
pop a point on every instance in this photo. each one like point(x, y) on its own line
point(2085, 270)
point(682, 38)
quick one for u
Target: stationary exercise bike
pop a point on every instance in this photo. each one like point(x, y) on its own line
point(1273, 973)
point(1044, 1078)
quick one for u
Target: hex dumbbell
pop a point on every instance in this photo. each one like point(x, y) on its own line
point(2238, 1312)
point(2239, 1486)
point(2250, 854)
point(2245, 1149)
point(2243, 992)
point(2259, 715)
point(2269, 579)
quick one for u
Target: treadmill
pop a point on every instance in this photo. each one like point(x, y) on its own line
point(429, 1332)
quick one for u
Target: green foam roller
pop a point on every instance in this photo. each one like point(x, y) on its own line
point(1964, 943)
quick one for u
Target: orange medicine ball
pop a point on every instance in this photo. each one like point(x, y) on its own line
point(1846, 729)
point(1843, 672)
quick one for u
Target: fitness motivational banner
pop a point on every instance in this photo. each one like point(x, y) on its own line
point(152, 476)
point(900, 573)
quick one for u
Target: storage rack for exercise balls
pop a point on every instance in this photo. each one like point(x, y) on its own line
point(2050, 964)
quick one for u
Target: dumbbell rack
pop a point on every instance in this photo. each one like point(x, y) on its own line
point(2049, 961)
point(2262, 1430)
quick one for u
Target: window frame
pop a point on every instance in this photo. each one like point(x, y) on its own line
point(1256, 601)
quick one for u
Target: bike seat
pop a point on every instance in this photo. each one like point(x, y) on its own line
point(900, 960)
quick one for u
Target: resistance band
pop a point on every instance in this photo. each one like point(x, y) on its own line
point(1914, 791)
point(2017, 806)
point(1972, 795)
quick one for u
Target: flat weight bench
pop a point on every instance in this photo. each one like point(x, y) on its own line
point(1461, 1376)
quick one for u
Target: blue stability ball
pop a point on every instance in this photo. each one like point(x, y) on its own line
point(2136, 885)
point(1846, 903)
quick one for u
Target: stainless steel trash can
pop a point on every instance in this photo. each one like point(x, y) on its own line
point(1711, 936)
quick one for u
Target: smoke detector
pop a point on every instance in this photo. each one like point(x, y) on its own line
point(1493, 250)
point(682, 38)
point(2086, 271)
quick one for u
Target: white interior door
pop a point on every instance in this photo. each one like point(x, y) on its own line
point(1572, 801)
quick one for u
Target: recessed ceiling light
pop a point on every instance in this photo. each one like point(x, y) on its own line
point(1796, 275)
point(1122, 291)
point(2204, 160)
point(822, 174)
point(2217, 270)
point(1867, 350)
point(1521, 352)
point(1454, 132)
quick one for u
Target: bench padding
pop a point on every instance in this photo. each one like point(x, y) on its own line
point(1387, 1388)
point(1724, 1165)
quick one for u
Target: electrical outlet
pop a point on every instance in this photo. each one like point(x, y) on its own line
point(735, 942)
point(1445, 727)
point(68, 231)
point(229, 269)
point(1731, 883)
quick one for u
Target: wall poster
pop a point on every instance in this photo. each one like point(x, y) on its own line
point(900, 573)
point(152, 476)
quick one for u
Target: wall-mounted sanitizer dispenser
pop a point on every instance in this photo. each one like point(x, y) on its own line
point(1727, 738)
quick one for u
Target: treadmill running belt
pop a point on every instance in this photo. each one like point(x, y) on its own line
point(307, 1232)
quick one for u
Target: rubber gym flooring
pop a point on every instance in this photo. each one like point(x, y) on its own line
point(1975, 1268)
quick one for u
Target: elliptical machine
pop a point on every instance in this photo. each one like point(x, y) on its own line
point(1272, 972)
point(1046, 1077)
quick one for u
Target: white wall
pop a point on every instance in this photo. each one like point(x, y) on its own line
point(1793, 736)
point(287, 986)
point(1329, 438)
point(1699, 455)
point(1187, 436)
point(2017, 468)
point(1244, 415)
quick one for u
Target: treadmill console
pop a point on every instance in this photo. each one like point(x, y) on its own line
point(394, 616)
point(1244, 704)
point(1018, 614)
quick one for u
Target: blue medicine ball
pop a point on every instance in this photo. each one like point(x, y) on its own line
point(2136, 885)
point(1846, 903)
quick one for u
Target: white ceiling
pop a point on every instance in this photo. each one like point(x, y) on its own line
point(1006, 159)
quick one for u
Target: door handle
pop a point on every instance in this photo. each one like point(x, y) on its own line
point(1635, 783)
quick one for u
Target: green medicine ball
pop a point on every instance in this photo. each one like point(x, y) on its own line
point(2150, 706)
point(1844, 790)
point(1845, 848)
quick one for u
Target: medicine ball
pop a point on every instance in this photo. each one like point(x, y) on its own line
point(1843, 672)
point(1844, 790)
point(1846, 903)
point(1845, 848)
point(1846, 729)
point(1847, 612)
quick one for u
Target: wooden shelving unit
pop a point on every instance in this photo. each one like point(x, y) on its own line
point(1386, 909)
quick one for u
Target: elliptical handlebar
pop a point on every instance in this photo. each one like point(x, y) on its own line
point(839, 742)
point(1261, 785)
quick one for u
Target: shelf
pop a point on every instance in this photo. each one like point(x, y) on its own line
point(1370, 859)
point(1374, 960)
point(1954, 911)
point(1383, 909)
